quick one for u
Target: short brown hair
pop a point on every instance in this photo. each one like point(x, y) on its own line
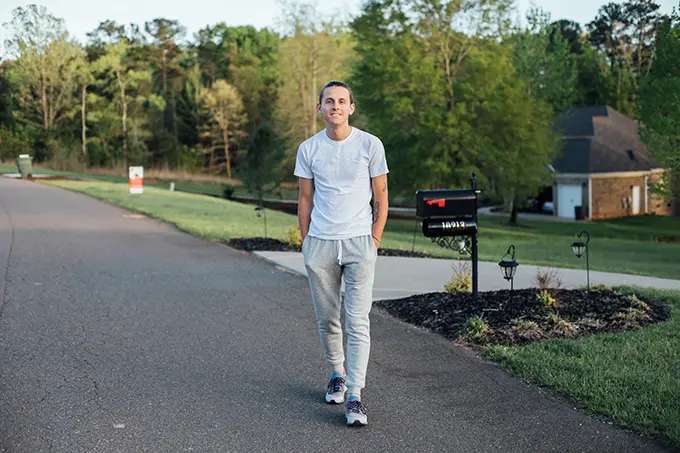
point(336, 83)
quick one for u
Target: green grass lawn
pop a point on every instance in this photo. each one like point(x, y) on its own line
point(625, 246)
point(633, 377)
point(207, 217)
point(620, 246)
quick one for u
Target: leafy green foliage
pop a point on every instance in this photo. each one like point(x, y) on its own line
point(293, 236)
point(461, 281)
point(546, 299)
point(660, 112)
point(476, 327)
point(450, 88)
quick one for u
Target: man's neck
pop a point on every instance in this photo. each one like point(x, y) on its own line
point(338, 133)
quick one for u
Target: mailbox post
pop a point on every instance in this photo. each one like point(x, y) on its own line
point(449, 218)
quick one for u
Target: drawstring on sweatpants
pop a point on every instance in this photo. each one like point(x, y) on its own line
point(340, 253)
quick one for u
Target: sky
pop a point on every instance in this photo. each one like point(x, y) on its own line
point(81, 17)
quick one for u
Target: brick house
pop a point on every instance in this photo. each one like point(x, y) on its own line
point(604, 169)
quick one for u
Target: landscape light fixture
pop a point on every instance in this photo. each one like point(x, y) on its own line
point(259, 211)
point(509, 266)
point(579, 247)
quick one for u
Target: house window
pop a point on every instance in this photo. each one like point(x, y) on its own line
point(631, 156)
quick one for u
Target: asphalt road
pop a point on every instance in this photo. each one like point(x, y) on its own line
point(121, 334)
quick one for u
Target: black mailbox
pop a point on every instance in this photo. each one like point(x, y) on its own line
point(446, 215)
point(431, 204)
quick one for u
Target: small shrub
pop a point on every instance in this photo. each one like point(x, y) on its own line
point(548, 278)
point(294, 237)
point(592, 323)
point(476, 327)
point(632, 315)
point(523, 326)
point(566, 328)
point(637, 303)
point(461, 280)
point(599, 287)
point(546, 299)
point(553, 319)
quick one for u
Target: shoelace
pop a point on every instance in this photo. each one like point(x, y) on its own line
point(335, 385)
point(357, 407)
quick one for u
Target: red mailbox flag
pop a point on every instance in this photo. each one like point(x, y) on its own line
point(441, 203)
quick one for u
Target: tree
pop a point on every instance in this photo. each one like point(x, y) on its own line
point(265, 150)
point(514, 127)
point(130, 89)
point(571, 31)
point(45, 68)
point(164, 56)
point(451, 29)
point(314, 50)
point(84, 77)
point(7, 104)
point(659, 107)
point(400, 95)
point(410, 58)
point(226, 107)
point(543, 60)
point(624, 33)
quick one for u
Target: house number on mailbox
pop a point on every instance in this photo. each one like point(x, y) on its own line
point(454, 225)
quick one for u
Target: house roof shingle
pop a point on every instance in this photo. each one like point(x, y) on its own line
point(601, 140)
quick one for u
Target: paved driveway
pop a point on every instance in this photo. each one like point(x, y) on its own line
point(120, 334)
point(398, 277)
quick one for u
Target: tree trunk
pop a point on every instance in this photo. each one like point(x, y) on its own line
point(84, 123)
point(312, 119)
point(301, 86)
point(675, 195)
point(44, 93)
point(226, 151)
point(514, 214)
point(124, 119)
point(174, 115)
point(618, 92)
point(50, 109)
point(165, 73)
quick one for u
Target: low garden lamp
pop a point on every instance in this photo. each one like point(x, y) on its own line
point(579, 247)
point(259, 212)
point(509, 266)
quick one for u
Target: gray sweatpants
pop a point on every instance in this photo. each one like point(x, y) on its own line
point(326, 262)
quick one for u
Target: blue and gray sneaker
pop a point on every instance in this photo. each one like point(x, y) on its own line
point(335, 392)
point(356, 412)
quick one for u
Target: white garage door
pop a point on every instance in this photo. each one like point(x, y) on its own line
point(568, 197)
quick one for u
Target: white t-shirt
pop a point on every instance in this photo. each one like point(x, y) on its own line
point(342, 172)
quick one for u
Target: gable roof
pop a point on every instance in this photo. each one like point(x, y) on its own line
point(601, 140)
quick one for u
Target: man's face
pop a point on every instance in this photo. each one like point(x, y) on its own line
point(335, 106)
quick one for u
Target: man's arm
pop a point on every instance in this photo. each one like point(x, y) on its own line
point(305, 204)
point(380, 207)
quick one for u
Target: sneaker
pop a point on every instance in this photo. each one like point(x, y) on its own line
point(355, 411)
point(335, 392)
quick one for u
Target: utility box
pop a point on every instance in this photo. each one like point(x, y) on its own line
point(25, 166)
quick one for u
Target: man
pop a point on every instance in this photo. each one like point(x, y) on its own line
point(339, 169)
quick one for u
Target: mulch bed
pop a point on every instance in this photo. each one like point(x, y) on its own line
point(275, 245)
point(520, 317)
point(504, 317)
